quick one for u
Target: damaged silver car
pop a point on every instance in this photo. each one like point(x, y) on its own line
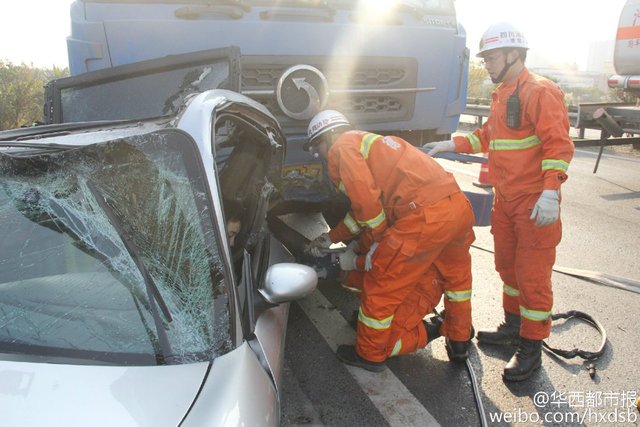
point(122, 301)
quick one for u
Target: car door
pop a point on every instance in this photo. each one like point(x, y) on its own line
point(153, 88)
point(249, 150)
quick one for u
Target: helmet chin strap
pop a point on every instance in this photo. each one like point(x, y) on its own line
point(506, 67)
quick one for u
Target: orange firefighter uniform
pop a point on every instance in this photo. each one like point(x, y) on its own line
point(522, 163)
point(423, 223)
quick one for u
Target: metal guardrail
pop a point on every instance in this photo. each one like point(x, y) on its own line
point(481, 111)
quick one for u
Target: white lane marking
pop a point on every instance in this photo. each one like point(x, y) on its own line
point(394, 401)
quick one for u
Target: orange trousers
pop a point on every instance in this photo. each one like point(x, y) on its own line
point(421, 255)
point(524, 258)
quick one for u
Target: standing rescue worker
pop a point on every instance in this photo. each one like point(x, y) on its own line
point(416, 228)
point(527, 138)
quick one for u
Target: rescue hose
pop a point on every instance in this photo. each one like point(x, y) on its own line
point(586, 355)
point(596, 277)
point(592, 276)
point(567, 354)
point(606, 280)
point(476, 393)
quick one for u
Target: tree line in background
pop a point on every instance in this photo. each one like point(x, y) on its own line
point(22, 93)
point(479, 90)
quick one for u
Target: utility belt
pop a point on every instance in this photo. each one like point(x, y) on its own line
point(403, 209)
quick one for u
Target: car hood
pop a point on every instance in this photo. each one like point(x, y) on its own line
point(39, 394)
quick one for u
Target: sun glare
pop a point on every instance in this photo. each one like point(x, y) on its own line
point(375, 10)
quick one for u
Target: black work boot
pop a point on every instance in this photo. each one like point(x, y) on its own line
point(432, 325)
point(508, 333)
point(458, 351)
point(347, 354)
point(528, 358)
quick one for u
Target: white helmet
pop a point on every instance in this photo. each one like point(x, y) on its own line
point(322, 122)
point(502, 35)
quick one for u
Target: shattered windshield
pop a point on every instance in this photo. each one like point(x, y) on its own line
point(90, 234)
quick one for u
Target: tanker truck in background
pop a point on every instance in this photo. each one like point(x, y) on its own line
point(626, 56)
point(619, 123)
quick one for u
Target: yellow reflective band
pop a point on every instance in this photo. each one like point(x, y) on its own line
point(512, 292)
point(555, 164)
point(476, 147)
point(351, 224)
point(367, 142)
point(458, 296)
point(396, 348)
point(374, 323)
point(350, 288)
point(535, 315)
point(374, 222)
point(514, 144)
point(342, 188)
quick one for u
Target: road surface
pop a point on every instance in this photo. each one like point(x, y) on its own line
point(601, 223)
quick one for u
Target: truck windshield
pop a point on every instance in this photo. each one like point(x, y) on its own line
point(431, 7)
point(69, 285)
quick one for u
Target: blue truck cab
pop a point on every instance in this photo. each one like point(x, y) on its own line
point(391, 66)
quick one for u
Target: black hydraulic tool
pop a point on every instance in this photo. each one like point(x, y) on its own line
point(327, 267)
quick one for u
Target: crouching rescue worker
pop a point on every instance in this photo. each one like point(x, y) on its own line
point(418, 226)
point(527, 138)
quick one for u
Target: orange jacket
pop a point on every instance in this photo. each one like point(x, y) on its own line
point(385, 178)
point(535, 156)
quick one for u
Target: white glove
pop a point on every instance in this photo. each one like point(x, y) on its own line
point(547, 209)
point(353, 245)
point(317, 246)
point(348, 260)
point(367, 261)
point(439, 146)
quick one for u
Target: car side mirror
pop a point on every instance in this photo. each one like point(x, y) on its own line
point(285, 282)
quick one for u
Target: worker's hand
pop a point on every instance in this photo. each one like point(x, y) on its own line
point(547, 209)
point(348, 260)
point(317, 246)
point(367, 261)
point(439, 146)
point(353, 245)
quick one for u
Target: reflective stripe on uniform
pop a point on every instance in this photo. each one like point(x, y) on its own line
point(351, 224)
point(396, 348)
point(458, 296)
point(375, 221)
point(342, 188)
point(375, 323)
point(366, 143)
point(476, 147)
point(555, 164)
point(512, 292)
point(535, 315)
point(514, 144)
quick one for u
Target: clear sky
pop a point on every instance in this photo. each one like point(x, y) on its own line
point(559, 30)
point(35, 31)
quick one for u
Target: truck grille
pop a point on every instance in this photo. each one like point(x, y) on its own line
point(261, 77)
point(261, 73)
